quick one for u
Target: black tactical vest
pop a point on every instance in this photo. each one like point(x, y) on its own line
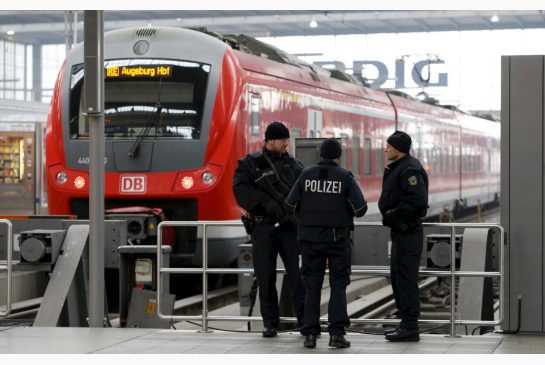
point(324, 193)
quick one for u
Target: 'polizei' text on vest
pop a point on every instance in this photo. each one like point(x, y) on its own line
point(323, 186)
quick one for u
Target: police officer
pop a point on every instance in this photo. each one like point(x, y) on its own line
point(261, 182)
point(403, 202)
point(326, 199)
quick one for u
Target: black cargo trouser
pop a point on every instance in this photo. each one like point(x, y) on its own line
point(267, 243)
point(404, 266)
point(315, 255)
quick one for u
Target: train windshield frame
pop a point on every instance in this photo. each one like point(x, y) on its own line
point(145, 99)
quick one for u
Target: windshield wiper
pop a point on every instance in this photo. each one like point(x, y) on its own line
point(135, 149)
point(152, 120)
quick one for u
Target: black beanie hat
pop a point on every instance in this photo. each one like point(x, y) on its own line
point(330, 149)
point(401, 141)
point(276, 130)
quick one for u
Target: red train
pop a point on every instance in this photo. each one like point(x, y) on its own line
point(182, 106)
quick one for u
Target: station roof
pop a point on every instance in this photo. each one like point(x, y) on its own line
point(48, 26)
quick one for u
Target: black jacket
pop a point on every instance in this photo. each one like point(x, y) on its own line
point(404, 197)
point(326, 199)
point(254, 166)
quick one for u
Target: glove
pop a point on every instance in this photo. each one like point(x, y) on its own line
point(274, 209)
point(392, 220)
point(388, 218)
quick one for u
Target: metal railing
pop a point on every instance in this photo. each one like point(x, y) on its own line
point(9, 255)
point(453, 274)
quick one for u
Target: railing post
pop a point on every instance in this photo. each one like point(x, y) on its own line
point(204, 279)
point(159, 267)
point(9, 254)
point(452, 281)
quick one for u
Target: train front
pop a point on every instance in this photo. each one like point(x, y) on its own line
point(172, 134)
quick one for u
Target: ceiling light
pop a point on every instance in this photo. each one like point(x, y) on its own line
point(313, 23)
point(10, 32)
point(494, 18)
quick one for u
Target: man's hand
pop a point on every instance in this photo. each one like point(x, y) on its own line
point(274, 209)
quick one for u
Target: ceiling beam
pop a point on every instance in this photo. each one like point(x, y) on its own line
point(218, 22)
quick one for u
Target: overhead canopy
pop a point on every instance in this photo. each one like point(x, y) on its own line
point(48, 26)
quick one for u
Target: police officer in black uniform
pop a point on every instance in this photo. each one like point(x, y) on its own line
point(261, 182)
point(326, 198)
point(403, 202)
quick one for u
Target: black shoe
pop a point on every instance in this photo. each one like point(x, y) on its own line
point(338, 341)
point(387, 332)
point(310, 341)
point(269, 332)
point(403, 335)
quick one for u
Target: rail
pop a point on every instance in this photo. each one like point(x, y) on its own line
point(9, 263)
point(453, 274)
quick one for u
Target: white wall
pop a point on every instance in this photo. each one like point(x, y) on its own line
point(472, 58)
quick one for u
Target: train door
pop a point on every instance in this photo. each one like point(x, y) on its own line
point(17, 178)
point(314, 123)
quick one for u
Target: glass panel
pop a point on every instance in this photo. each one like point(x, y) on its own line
point(356, 155)
point(380, 158)
point(255, 116)
point(367, 156)
point(145, 99)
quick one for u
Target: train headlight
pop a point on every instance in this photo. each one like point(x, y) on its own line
point(208, 178)
point(187, 182)
point(62, 177)
point(79, 182)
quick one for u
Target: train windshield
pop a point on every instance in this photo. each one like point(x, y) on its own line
point(151, 99)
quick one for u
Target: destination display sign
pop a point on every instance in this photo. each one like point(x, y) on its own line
point(138, 72)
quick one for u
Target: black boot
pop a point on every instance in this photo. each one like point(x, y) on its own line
point(269, 332)
point(338, 341)
point(387, 332)
point(310, 341)
point(404, 335)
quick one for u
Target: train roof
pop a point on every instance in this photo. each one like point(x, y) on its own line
point(252, 46)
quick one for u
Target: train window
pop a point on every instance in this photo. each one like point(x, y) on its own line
point(314, 123)
point(355, 155)
point(444, 160)
point(380, 158)
point(455, 160)
point(294, 134)
point(367, 156)
point(255, 115)
point(155, 99)
point(437, 160)
point(344, 144)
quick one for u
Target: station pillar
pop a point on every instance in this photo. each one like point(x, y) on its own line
point(522, 204)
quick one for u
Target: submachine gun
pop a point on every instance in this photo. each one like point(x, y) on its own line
point(265, 184)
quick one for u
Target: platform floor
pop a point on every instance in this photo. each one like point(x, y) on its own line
point(66, 340)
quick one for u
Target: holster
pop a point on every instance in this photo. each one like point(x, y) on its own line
point(248, 222)
point(345, 232)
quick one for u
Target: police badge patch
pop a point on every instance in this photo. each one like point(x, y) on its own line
point(412, 180)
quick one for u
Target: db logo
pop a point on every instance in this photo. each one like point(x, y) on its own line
point(133, 184)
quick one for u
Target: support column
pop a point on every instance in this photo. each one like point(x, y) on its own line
point(94, 108)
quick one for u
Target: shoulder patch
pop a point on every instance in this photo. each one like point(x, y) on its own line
point(413, 180)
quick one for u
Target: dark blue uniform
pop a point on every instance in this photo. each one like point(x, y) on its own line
point(403, 202)
point(273, 234)
point(326, 198)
